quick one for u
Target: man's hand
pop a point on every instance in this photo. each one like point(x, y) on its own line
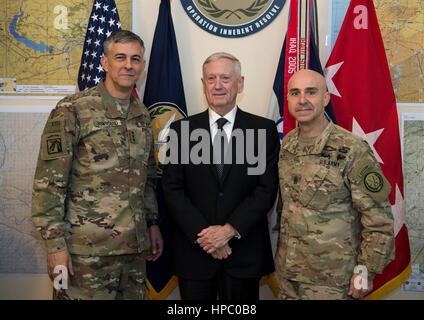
point(215, 237)
point(157, 243)
point(359, 292)
point(222, 253)
point(60, 258)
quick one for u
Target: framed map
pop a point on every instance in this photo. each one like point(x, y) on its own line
point(413, 169)
point(41, 44)
point(401, 25)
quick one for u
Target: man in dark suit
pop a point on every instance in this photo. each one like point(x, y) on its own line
point(221, 241)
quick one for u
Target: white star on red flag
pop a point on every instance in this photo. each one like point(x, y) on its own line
point(370, 137)
point(329, 73)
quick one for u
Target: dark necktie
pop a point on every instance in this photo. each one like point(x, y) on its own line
point(220, 144)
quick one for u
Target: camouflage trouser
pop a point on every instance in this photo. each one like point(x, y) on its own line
point(293, 290)
point(106, 278)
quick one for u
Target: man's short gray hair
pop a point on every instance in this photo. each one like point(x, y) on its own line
point(122, 36)
point(224, 55)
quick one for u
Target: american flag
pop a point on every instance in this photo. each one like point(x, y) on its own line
point(104, 19)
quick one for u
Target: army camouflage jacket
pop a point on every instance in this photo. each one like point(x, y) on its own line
point(94, 186)
point(336, 212)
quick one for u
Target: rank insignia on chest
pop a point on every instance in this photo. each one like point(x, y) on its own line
point(132, 137)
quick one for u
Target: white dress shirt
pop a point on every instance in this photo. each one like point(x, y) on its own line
point(228, 126)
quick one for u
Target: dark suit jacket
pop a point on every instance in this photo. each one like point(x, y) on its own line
point(197, 198)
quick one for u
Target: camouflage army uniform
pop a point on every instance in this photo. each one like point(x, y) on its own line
point(94, 183)
point(333, 193)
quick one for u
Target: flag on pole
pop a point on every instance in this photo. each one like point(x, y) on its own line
point(165, 100)
point(359, 81)
point(104, 19)
point(300, 51)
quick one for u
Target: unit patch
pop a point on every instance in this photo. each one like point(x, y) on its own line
point(373, 182)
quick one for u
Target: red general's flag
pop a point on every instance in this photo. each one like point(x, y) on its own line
point(363, 100)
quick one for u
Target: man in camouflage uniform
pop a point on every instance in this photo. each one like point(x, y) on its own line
point(336, 225)
point(94, 199)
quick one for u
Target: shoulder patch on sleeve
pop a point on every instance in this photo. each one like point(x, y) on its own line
point(53, 141)
point(368, 177)
point(373, 181)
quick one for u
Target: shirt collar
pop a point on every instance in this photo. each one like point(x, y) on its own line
point(112, 110)
point(291, 144)
point(230, 116)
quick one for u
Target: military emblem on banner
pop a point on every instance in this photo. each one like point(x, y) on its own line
point(162, 115)
point(232, 19)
